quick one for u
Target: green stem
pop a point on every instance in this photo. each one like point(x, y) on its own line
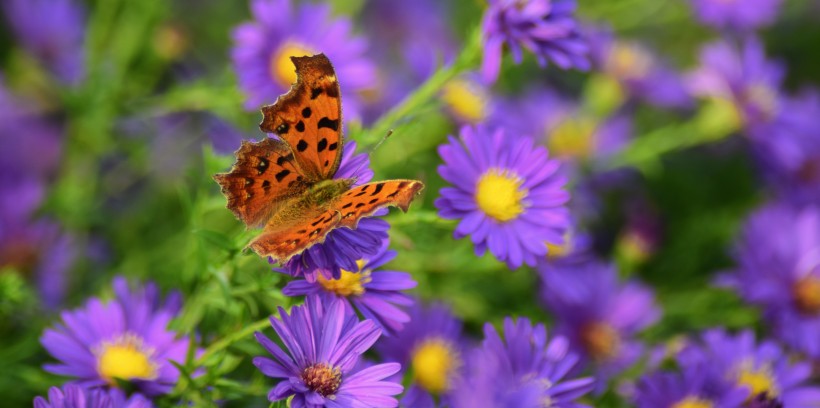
point(225, 342)
point(466, 60)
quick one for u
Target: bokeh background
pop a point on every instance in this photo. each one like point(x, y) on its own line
point(678, 130)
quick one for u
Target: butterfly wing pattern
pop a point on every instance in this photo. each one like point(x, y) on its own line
point(286, 184)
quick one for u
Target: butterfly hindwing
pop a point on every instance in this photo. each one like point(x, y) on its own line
point(364, 200)
point(264, 175)
point(282, 241)
point(309, 118)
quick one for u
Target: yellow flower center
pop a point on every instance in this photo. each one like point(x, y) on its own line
point(466, 100)
point(759, 381)
point(573, 138)
point(634, 247)
point(499, 194)
point(693, 402)
point(349, 284)
point(322, 378)
point(628, 61)
point(806, 294)
point(433, 364)
point(600, 340)
point(281, 67)
point(556, 251)
point(126, 358)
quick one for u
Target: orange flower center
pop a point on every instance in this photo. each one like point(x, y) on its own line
point(806, 293)
point(322, 378)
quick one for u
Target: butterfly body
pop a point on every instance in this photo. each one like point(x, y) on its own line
point(286, 185)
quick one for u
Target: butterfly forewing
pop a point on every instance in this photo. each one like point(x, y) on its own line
point(364, 200)
point(282, 241)
point(309, 118)
point(263, 176)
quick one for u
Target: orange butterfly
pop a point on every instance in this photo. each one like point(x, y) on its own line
point(286, 185)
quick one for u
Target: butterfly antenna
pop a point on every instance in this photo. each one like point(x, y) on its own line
point(369, 151)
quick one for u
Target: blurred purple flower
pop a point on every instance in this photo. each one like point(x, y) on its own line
point(343, 247)
point(640, 73)
point(789, 150)
point(53, 31)
point(689, 387)
point(410, 40)
point(734, 15)
point(763, 371)
point(524, 369)
point(778, 269)
point(323, 344)
point(262, 51)
point(125, 339)
point(744, 78)
point(547, 28)
point(598, 314)
point(431, 347)
point(507, 193)
point(74, 396)
point(375, 294)
point(568, 132)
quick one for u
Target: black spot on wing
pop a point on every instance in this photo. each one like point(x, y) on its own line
point(333, 146)
point(300, 126)
point(282, 129)
point(262, 165)
point(378, 189)
point(306, 113)
point(315, 92)
point(328, 123)
point(282, 174)
point(320, 147)
point(347, 205)
point(301, 146)
point(282, 159)
point(265, 185)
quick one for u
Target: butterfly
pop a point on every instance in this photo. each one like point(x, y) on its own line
point(285, 185)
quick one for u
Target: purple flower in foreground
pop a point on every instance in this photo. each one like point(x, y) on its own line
point(525, 369)
point(74, 396)
point(53, 31)
point(323, 344)
point(262, 51)
point(778, 258)
point(598, 314)
point(547, 28)
point(763, 371)
point(375, 294)
point(734, 15)
point(343, 247)
point(507, 193)
point(431, 348)
point(125, 339)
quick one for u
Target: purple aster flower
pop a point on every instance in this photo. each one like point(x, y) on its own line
point(525, 369)
point(74, 396)
point(764, 371)
point(745, 79)
point(375, 294)
point(125, 339)
point(431, 347)
point(639, 72)
point(598, 314)
point(789, 155)
point(53, 31)
point(690, 387)
point(734, 15)
point(778, 269)
point(263, 49)
point(343, 247)
point(323, 345)
point(547, 28)
point(506, 191)
point(568, 131)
